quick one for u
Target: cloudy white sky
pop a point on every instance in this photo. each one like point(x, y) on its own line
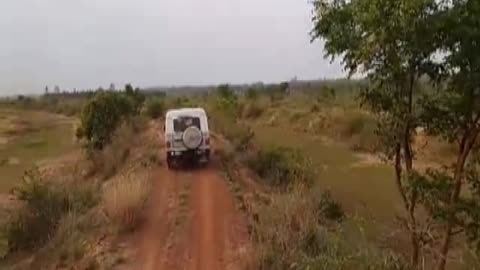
point(88, 43)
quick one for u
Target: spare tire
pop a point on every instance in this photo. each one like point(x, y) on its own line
point(192, 137)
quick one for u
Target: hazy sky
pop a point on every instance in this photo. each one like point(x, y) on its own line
point(88, 43)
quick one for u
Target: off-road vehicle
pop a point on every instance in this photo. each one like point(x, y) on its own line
point(187, 137)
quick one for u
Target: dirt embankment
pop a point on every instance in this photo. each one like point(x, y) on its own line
point(191, 223)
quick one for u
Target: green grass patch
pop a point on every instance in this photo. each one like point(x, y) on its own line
point(47, 136)
point(367, 189)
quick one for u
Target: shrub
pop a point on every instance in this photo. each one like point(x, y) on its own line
point(101, 116)
point(180, 102)
point(281, 167)
point(155, 108)
point(290, 234)
point(45, 205)
point(124, 200)
point(284, 230)
point(360, 129)
point(251, 94)
point(329, 208)
point(137, 98)
point(112, 157)
point(327, 94)
point(355, 124)
point(239, 134)
point(224, 112)
point(224, 91)
point(251, 110)
point(366, 141)
point(69, 243)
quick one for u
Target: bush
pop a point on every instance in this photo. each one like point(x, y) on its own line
point(155, 108)
point(355, 124)
point(285, 229)
point(290, 234)
point(45, 205)
point(70, 242)
point(251, 110)
point(112, 157)
point(251, 94)
point(137, 98)
point(224, 113)
point(329, 208)
point(281, 167)
point(101, 116)
point(224, 91)
point(237, 133)
point(359, 129)
point(124, 200)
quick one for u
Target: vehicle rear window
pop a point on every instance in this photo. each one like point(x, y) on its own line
point(182, 123)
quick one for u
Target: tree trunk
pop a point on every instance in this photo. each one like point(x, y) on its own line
point(466, 146)
point(408, 158)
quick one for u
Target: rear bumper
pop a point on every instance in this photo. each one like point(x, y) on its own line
point(188, 153)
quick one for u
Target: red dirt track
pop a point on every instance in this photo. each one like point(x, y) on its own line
point(191, 223)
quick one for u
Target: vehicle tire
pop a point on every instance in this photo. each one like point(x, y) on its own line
point(192, 138)
point(170, 162)
point(207, 155)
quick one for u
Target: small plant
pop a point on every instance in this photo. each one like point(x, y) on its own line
point(315, 108)
point(281, 167)
point(330, 208)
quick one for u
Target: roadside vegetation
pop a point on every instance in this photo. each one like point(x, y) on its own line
point(97, 191)
point(378, 173)
point(306, 147)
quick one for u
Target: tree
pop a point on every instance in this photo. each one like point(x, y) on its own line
point(57, 89)
point(225, 91)
point(136, 96)
point(46, 90)
point(283, 87)
point(112, 87)
point(227, 100)
point(101, 116)
point(453, 113)
point(390, 42)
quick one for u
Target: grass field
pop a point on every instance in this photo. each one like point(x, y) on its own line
point(363, 188)
point(28, 137)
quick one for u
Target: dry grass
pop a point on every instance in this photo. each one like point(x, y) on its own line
point(124, 199)
point(108, 161)
point(295, 231)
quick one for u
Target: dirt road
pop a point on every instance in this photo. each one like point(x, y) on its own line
point(191, 223)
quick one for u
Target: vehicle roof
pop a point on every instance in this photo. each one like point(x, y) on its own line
point(185, 111)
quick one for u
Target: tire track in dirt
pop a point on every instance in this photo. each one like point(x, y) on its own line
point(207, 228)
point(160, 217)
point(213, 231)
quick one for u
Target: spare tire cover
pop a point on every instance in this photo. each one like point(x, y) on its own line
point(192, 137)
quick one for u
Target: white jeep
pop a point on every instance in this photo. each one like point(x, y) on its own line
point(187, 135)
